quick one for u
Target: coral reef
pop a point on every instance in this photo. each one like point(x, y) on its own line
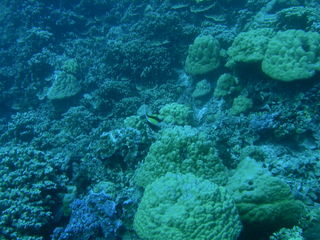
point(176, 114)
point(249, 46)
point(241, 104)
point(288, 234)
point(202, 89)
point(231, 85)
point(64, 85)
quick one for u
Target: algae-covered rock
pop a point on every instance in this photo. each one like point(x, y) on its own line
point(292, 55)
point(263, 201)
point(181, 150)
point(184, 207)
point(203, 56)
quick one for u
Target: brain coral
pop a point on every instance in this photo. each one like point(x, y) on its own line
point(184, 207)
point(292, 55)
point(203, 55)
point(181, 150)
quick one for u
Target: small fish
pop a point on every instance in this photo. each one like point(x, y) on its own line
point(153, 120)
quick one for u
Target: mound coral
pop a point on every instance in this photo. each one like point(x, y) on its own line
point(263, 201)
point(203, 88)
point(184, 207)
point(177, 114)
point(240, 105)
point(64, 85)
point(292, 55)
point(226, 85)
point(181, 150)
point(203, 56)
point(249, 46)
point(286, 55)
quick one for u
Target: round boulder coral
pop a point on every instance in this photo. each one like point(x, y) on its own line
point(184, 207)
point(249, 46)
point(292, 55)
point(203, 56)
point(265, 203)
point(181, 150)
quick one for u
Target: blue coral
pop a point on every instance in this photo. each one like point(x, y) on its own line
point(92, 217)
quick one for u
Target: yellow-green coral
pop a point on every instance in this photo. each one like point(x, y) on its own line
point(203, 55)
point(263, 200)
point(226, 85)
point(176, 113)
point(181, 150)
point(202, 89)
point(184, 207)
point(292, 55)
point(249, 46)
point(287, 55)
point(240, 104)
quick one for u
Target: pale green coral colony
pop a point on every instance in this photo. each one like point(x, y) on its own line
point(292, 55)
point(203, 55)
point(184, 207)
point(286, 55)
point(181, 150)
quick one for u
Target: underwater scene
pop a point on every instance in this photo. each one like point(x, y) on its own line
point(159, 120)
